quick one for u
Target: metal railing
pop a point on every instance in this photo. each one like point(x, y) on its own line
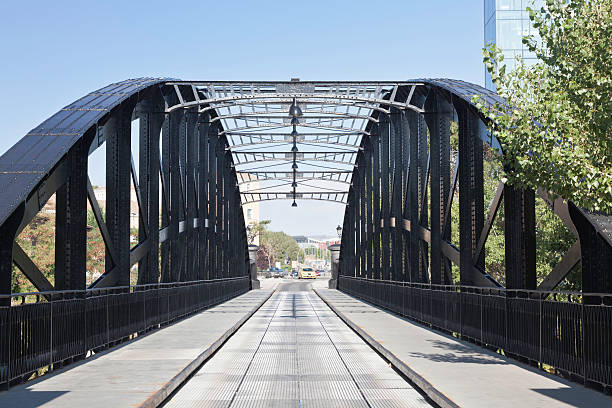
point(573, 336)
point(45, 328)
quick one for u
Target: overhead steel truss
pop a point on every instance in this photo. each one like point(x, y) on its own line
point(224, 144)
point(207, 148)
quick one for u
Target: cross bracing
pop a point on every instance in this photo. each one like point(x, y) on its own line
point(343, 141)
point(381, 149)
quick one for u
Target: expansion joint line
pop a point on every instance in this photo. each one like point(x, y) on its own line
point(338, 352)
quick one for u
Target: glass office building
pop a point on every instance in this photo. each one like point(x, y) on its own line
point(505, 24)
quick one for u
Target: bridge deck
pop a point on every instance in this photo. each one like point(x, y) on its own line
point(454, 372)
point(295, 352)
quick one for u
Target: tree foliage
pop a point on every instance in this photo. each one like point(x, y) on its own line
point(256, 229)
point(555, 124)
point(38, 241)
point(277, 245)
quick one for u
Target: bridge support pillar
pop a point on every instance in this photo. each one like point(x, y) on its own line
point(471, 193)
point(255, 284)
point(117, 131)
point(595, 251)
point(417, 194)
point(151, 120)
point(335, 265)
point(71, 220)
point(438, 116)
point(519, 208)
point(8, 233)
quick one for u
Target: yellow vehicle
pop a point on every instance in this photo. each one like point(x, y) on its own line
point(307, 273)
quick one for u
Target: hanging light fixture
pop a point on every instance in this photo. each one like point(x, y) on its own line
point(295, 109)
point(294, 112)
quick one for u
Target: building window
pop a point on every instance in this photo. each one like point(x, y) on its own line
point(249, 213)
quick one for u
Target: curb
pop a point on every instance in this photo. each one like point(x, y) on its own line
point(159, 396)
point(425, 386)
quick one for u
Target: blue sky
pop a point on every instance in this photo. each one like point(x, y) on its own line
point(55, 52)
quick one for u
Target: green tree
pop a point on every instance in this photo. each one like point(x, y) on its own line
point(555, 123)
point(256, 229)
point(278, 244)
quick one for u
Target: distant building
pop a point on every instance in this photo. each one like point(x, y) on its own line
point(506, 22)
point(100, 194)
point(311, 242)
point(251, 210)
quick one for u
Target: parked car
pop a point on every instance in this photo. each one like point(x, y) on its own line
point(307, 273)
point(319, 272)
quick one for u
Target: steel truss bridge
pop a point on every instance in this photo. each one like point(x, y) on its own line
point(206, 148)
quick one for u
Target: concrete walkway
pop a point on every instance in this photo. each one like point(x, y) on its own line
point(456, 373)
point(295, 352)
point(142, 372)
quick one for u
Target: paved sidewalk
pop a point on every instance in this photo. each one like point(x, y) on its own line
point(456, 373)
point(142, 372)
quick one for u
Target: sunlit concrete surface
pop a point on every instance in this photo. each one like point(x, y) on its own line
point(138, 372)
point(295, 352)
point(457, 373)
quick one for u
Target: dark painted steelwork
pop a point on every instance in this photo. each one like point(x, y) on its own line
point(388, 141)
point(51, 329)
point(185, 164)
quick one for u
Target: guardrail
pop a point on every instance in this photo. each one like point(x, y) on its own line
point(44, 329)
point(573, 336)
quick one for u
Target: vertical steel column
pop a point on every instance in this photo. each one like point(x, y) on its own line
point(343, 242)
point(350, 242)
point(438, 117)
point(362, 211)
point(385, 164)
point(190, 194)
point(165, 213)
point(117, 131)
point(8, 233)
point(203, 162)
point(357, 219)
point(595, 250)
point(376, 180)
point(174, 186)
point(369, 220)
point(151, 117)
point(418, 169)
point(228, 193)
point(181, 241)
point(213, 140)
point(520, 239)
point(471, 192)
point(405, 143)
point(71, 220)
point(220, 206)
point(396, 137)
point(423, 188)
